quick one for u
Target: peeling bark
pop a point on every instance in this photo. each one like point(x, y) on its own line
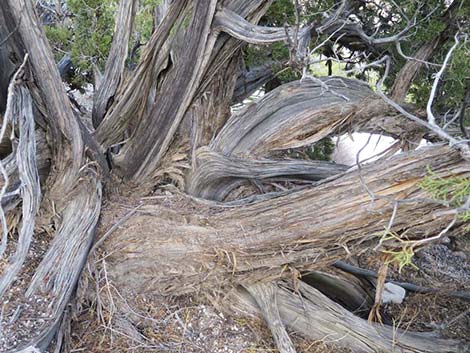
point(215, 176)
point(266, 298)
point(139, 160)
point(114, 71)
point(178, 253)
point(133, 94)
point(181, 90)
point(312, 314)
point(303, 112)
point(68, 154)
point(29, 186)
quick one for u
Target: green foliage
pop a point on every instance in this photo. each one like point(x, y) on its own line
point(403, 255)
point(322, 150)
point(457, 76)
point(257, 55)
point(279, 13)
point(144, 19)
point(89, 26)
point(453, 190)
point(86, 33)
point(93, 29)
point(60, 39)
point(401, 258)
point(453, 84)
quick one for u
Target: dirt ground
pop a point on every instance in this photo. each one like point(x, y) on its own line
point(185, 325)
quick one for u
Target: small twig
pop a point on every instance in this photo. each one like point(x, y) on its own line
point(374, 314)
point(420, 242)
point(400, 51)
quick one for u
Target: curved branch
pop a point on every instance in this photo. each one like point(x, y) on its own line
point(303, 112)
point(341, 30)
point(142, 155)
point(216, 176)
point(57, 274)
point(350, 331)
point(133, 94)
point(47, 89)
point(314, 315)
point(230, 22)
point(265, 295)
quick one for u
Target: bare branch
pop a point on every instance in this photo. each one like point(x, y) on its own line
point(230, 22)
point(217, 175)
point(265, 295)
point(431, 117)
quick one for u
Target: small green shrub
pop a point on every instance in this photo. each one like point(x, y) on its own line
point(454, 190)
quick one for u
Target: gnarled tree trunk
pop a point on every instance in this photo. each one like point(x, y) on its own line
point(172, 115)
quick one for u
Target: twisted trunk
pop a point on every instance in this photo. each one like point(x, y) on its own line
point(181, 90)
point(177, 252)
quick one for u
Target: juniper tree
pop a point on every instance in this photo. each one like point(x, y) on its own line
point(254, 220)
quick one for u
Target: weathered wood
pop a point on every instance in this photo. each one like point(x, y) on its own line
point(73, 193)
point(114, 70)
point(156, 130)
point(133, 94)
point(408, 72)
point(343, 288)
point(266, 298)
point(423, 54)
point(29, 187)
point(189, 72)
point(56, 276)
point(215, 176)
point(312, 314)
point(303, 112)
point(182, 84)
point(68, 154)
point(230, 22)
point(175, 252)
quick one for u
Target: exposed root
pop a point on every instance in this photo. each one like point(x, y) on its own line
point(31, 318)
point(265, 295)
point(312, 314)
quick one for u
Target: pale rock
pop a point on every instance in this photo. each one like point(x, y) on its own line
point(393, 294)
